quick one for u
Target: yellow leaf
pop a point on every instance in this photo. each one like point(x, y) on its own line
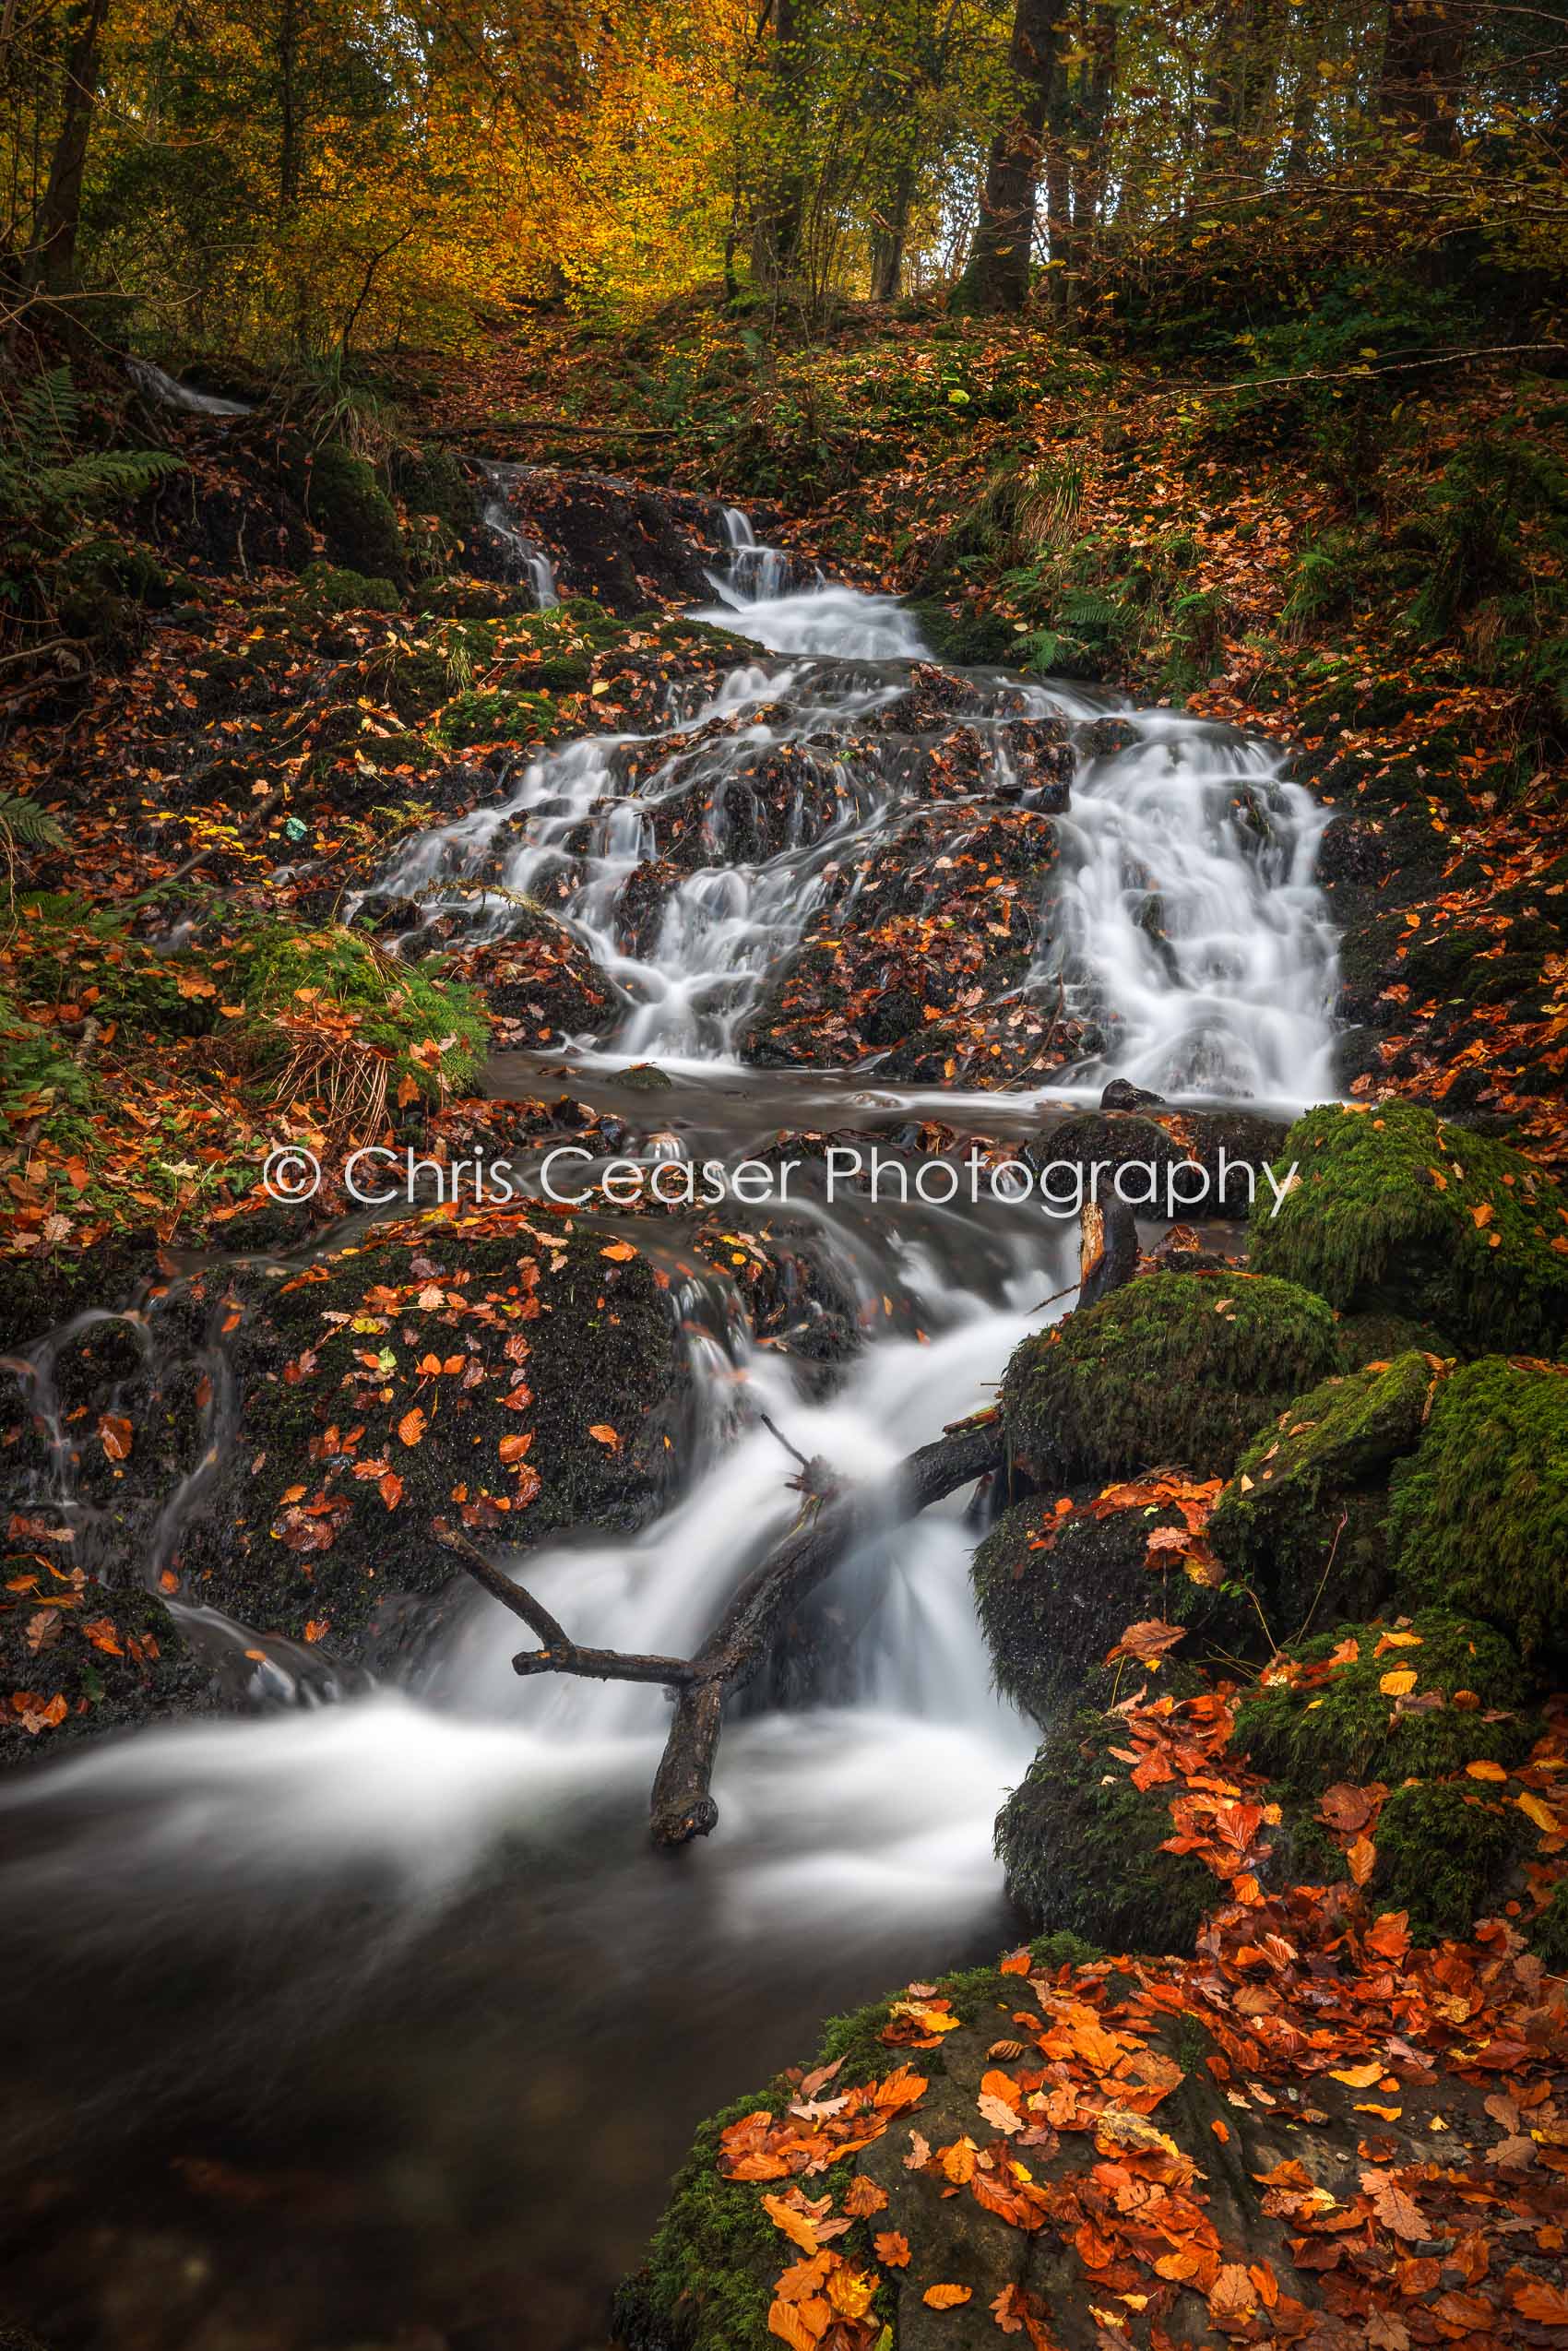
point(1397, 1685)
point(796, 2227)
point(1485, 1771)
point(1358, 2077)
point(1542, 1814)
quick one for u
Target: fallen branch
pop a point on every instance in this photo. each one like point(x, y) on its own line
point(681, 1805)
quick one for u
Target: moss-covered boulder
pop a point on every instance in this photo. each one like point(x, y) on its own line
point(1081, 1847)
point(1054, 1592)
point(512, 1372)
point(1388, 1701)
point(1173, 1367)
point(1479, 1516)
point(715, 2260)
point(1303, 1518)
point(344, 500)
point(1447, 1854)
point(1396, 1209)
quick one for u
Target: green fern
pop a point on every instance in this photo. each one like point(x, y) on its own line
point(42, 474)
point(23, 823)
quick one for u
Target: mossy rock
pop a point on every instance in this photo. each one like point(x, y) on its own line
point(1384, 1215)
point(1548, 1931)
point(1081, 1847)
point(451, 1320)
point(1052, 1611)
point(431, 480)
point(1304, 1514)
point(1445, 1855)
point(346, 503)
point(711, 2268)
point(1172, 1367)
point(1479, 1516)
point(329, 587)
point(1312, 1734)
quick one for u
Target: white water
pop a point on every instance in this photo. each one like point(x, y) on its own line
point(839, 1821)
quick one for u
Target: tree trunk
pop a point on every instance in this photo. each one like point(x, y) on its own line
point(997, 278)
point(1422, 84)
point(887, 244)
point(289, 105)
point(59, 216)
point(776, 245)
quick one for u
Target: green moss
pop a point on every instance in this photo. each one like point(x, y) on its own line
point(1444, 1854)
point(1172, 1368)
point(1305, 1512)
point(502, 714)
point(347, 504)
point(329, 587)
point(1081, 1847)
point(430, 1031)
point(1343, 1725)
point(1384, 1217)
point(1049, 1615)
point(1547, 1933)
point(1479, 1516)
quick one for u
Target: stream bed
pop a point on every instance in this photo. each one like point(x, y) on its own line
point(378, 2020)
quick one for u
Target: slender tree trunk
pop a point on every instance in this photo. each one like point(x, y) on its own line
point(289, 105)
point(59, 216)
point(997, 278)
point(777, 239)
point(1422, 84)
point(887, 244)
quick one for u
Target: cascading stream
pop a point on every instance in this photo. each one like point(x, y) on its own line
point(426, 1866)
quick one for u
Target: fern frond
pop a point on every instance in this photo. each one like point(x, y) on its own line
point(30, 826)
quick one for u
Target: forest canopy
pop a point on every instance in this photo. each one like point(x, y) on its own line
point(314, 176)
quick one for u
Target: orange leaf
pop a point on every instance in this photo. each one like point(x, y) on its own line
point(892, 2249)
point(514, 1448)
point(796, 2228)
point(945, 2298)
point(619, 1251)
point(114, 1434)
point(1485, 1771)
point(412, 1426)
point(1539, 2300)
point(788, 2321)
point(390, 1488)
point(603, 1434)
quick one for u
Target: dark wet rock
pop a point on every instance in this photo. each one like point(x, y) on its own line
point(628, 545)
point(508, 1339)
point(539, 983)
point(1122, 1096)
point(1104, 738)
point(941, 920)
point(1173, 1367)
point(1084, 1848)
point(646, 1078)
point(78, 1656)
point(1168, 1162)
point(1055, 1592)
point(641, 904)
point(1353, 851)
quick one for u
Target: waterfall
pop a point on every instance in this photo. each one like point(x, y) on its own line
point(855, 1842)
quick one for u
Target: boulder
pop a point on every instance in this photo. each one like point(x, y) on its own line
point(1173, 1367)
point(1479, 1516)
point(509, 1370)
point(1398, 1210)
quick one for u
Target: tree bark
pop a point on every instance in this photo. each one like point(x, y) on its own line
point(997, 278)
point(1422, 83)
point(887, 244)
point(59, 215)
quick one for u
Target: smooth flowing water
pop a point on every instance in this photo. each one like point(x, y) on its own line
point(383, 2013)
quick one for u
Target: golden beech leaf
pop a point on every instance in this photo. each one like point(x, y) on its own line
point(619, 1251)
point(412, 1426)
point(892, 2249)
point(788, 2321)
point(796, 2227)
point(945, 2298)
point(1397, 1685)
point(603, 1434)
point(1485, 1771)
